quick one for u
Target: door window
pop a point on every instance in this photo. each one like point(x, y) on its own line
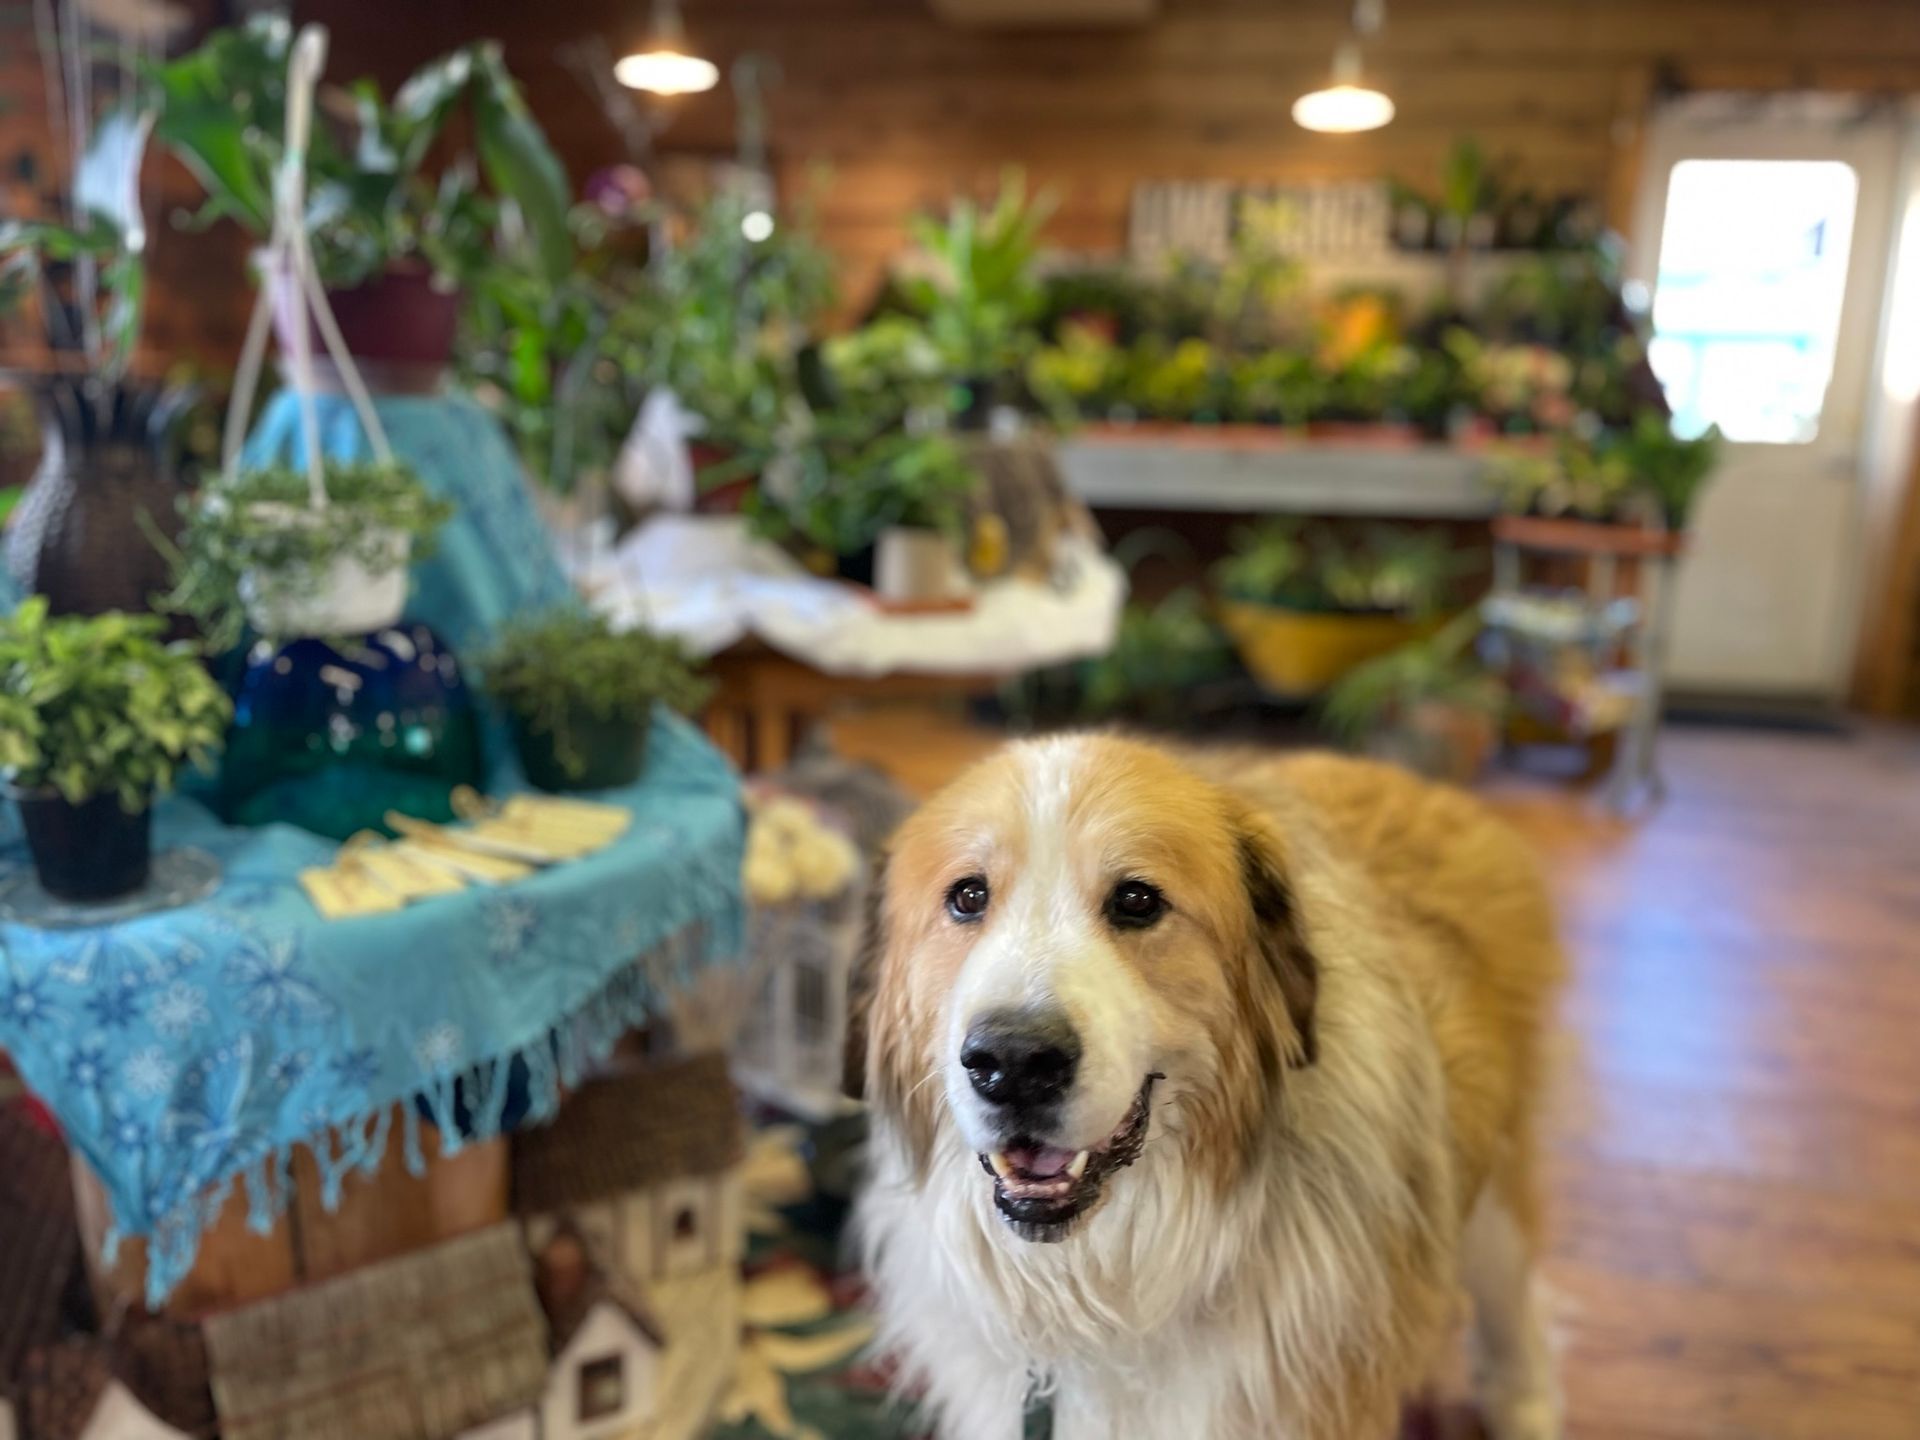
point(1746, 304)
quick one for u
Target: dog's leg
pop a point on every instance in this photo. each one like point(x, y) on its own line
point(1513, 1363)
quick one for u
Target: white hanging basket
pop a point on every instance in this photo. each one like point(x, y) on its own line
point(366, 589)
point(355, 594)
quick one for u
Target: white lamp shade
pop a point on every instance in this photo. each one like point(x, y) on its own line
point(666, 72)
point(1342, 110)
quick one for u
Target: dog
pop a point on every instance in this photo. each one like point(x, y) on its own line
point(1199, 1084)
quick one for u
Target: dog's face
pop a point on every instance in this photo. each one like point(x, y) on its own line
point(1075, 936)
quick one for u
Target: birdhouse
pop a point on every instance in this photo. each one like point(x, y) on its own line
point(636, 1186)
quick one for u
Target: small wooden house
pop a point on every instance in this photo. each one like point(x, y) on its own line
point(637, 1181)
point(643, 1164)
point(427, 1346)
point(607, 1348)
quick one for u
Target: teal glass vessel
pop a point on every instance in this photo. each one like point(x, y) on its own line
point(330, 735)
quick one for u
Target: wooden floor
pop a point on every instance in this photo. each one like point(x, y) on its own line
point(1735, 1136)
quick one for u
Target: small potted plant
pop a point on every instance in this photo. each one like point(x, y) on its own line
point(255, 549)
point(579, 695)
point(840, 496)
point(1430, 705)
point(97, 716)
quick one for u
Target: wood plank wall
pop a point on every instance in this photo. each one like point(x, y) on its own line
point(904, 109)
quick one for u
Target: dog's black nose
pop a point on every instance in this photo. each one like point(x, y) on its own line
point(1021, 1059)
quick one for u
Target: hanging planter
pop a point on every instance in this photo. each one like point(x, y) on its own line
point(255, 552)
point(320, 552)
point(401, 321)
point(96, 718)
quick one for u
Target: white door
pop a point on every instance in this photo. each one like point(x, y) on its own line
point(1762, 236)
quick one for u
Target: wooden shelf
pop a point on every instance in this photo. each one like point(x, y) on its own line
point(1587, 537)
point(1262, 469)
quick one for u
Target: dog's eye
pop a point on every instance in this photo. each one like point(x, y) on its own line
point(967, 900)
point(1135, 903)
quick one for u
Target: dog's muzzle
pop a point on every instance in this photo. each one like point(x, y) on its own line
point(1043, 1191)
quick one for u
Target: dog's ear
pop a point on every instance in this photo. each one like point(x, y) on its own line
point(862, 981)
point(1281, 952)
point(882, 1061)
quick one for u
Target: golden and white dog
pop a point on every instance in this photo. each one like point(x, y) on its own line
point(1200, 1083)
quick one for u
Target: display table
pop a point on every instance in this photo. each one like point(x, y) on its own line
point(788, 647)
point(188, 1050)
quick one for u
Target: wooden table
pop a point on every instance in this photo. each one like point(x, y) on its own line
point(766, 702)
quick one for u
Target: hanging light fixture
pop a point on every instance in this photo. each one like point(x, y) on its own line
point(664, 65)
point(1348, 106)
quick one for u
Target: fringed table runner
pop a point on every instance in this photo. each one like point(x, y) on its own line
point(188, 1051)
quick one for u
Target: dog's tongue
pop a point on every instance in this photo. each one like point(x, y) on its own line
point(1042, 1162)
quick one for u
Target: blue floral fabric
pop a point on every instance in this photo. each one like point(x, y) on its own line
point(189, 1048)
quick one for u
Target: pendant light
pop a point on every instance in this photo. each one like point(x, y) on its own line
point(1348, 105)
point(664, 65)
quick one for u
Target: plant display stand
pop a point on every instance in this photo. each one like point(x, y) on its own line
point(1615, 561)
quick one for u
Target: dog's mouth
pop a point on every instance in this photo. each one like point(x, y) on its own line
point(1043, 1191)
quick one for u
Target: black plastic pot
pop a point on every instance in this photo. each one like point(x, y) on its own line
point(91, 851)
point(611, 753)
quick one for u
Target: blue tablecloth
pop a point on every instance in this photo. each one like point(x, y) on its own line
point(188, 1050)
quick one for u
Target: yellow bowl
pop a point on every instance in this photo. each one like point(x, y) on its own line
point(1297, 653)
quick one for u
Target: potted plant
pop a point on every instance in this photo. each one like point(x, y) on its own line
point(1303, 608)
point(832, 494)
point(97, 716)
point(1429, 705)
point(392, 244)
point(982, 301)
point(254, 549)
point(579, 695)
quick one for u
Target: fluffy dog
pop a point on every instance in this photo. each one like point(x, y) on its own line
point(1199, 1084)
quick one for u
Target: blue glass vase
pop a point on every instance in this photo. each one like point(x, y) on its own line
point(330, 735)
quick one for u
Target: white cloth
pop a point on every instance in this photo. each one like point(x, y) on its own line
point(706, 580)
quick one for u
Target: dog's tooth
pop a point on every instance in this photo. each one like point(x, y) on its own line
point(1002, 1166)
point(1079, 1165)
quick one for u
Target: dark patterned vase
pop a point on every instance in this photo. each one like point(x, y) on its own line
point(331, 735)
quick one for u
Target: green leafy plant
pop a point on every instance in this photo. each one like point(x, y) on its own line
point(1670, 469)
point(1441, 670)
point(983, 300)
point(1613, 475)
point(261, 525)
point(834, 490)
point(1079, 375)
point(568, 666)
point(726, 320)
point(91, 705)
point(1382, 569)
point(370, 199)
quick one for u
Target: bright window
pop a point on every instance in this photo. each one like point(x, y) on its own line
point(1746, 306)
